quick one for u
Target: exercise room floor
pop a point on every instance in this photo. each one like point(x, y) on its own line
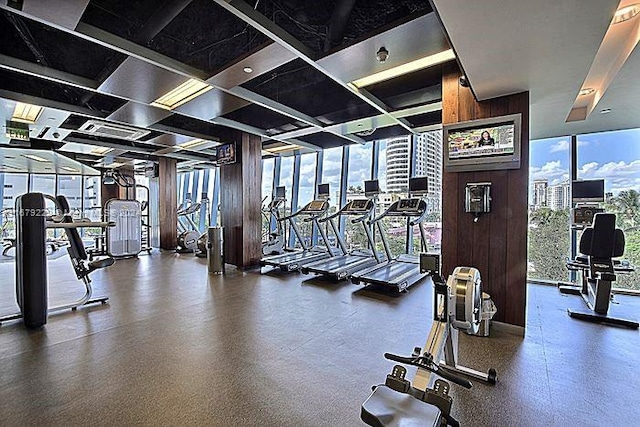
point(176, 347)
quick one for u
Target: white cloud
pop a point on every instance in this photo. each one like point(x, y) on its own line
point(551, 171)
point(618, 176)
point(562, 145)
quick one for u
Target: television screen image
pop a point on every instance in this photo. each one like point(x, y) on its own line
point(490, 140)
point(323, 190)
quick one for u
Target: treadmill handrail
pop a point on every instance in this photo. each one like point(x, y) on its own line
point(420, 219)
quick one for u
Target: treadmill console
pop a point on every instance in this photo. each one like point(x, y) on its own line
point(358, 206)
point(408, 205)
point(316, 206)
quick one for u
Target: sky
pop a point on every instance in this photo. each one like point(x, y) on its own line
point(612, 156)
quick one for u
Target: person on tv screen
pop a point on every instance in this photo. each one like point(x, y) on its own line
point(485, 139)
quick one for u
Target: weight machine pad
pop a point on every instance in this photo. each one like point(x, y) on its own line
point(386, 407)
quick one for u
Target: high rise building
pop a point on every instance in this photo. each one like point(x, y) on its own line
point(428, 162)
point(540, 193)
point(559, 196)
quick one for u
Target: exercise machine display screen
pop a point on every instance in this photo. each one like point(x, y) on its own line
point(316, 206)
point(323, 190)
point(418, 185)
point(359, 205)
point(371, 187)
point(405, 205)
point(280, 192)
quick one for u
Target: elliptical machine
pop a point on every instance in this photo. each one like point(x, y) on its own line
point(275, 241)
point(426, 400)
point(188, 234)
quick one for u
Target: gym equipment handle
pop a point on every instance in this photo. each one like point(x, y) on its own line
point(420, 363)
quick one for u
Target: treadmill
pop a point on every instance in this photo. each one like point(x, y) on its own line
point(312, 212)
point(340, 267)
point(403, 271)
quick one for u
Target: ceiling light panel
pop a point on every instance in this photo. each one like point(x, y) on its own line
point(182, 94)
point(35, 158)
point(406, 68)
point(101, 151)
point(626, 13)
point(26, 113)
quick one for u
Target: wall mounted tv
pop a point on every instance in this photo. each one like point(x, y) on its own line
point(486, 144)
point(587, 191)
point(226, 153)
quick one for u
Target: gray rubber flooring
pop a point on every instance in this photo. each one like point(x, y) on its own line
point(176, 347)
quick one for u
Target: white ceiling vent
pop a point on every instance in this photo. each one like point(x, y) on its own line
point(111, 130)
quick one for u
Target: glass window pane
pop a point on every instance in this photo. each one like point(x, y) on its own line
point(267, 177)
point(286, 180)
point(360, 157)
point(306, 190)
point(549, 201)
point(393, 174)
point(15, 184)
point(428, 158)
point(331, 173)
point(615, 157)
point(70, 186)
point(45, 184)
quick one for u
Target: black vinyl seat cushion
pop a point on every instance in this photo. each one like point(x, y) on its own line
point(602, 239)
point(387, 407)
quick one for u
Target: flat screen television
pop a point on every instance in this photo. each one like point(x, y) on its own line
point(418, 185)
point(226, 153)
point(371, 187)
point(323, 190)
point(486, 144)
point(280, 192)
point(587, 191)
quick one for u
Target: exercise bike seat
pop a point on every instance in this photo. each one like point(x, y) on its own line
point(387, 407)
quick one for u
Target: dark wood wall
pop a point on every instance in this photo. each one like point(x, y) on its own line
point(240, 198)
point(168, 202)
point(497, 244)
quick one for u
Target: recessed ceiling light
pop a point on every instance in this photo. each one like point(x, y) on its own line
point(409, 67)
point(26, 113)
point(626, 13)
point(114, 165)
point(182, 94)
point(101, 151)
point(193, 143)
point(247, 70)
point(36, 158)
point(586, 91)
point(281, 148)
point(605, 111)
point(69, 169)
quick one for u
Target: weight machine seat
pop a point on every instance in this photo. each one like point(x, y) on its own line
point(602, 240)
point(76, 247)
point(387, 407)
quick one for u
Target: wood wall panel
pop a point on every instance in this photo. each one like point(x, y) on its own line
point(497, 244)
point(240, 199)
point(168, 202)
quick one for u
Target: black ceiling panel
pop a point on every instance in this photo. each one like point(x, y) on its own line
point(386, 132)
point(35, 42)
point(263, 118)
point(34, 86)
point(322, 25)
point(207, 37)
point(305, 89)
point(325, 140)
point(417, 88)
point(426, 119)
point(124, 18)
point(189, 124)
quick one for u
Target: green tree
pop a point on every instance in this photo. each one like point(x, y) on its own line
point(549, 244)
point(626, 205)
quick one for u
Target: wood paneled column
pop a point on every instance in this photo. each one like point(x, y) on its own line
point(497, 244)
point(240, 198)
point(168, 202)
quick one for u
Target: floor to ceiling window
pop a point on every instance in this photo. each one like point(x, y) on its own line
point(306, 190)
point(615, 157)
point(549, 206)
point(360, 161)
